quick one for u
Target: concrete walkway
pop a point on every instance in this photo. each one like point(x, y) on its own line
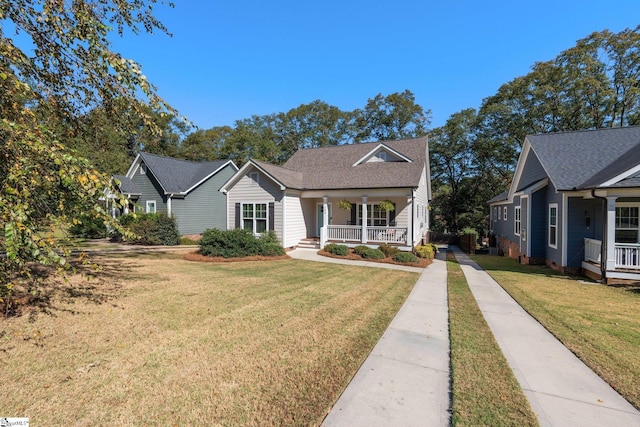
point(312, 255)
point(561, 389)
point(405, 379)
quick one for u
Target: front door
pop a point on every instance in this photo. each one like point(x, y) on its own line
point(320, 217)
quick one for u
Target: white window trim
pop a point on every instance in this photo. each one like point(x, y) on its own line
point(254, 219)
point(143, 169)
point(517, 220)
point(552, 206)
point(370, 217)
point(148, 206)
point(504, 215)
point(626, 205)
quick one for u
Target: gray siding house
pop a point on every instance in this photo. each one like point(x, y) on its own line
point(187, 191)
point(574, 203)
point(334, 194)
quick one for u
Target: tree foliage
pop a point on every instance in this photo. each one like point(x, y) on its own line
point(275, 137)
point(56, 64)
point(395, 116)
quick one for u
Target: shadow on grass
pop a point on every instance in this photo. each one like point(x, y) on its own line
point(92, 280)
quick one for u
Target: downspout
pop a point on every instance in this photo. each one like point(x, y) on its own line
point(603, 249)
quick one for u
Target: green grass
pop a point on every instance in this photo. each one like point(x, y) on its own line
point(600, 324)
point(485, 391)
point(157, 340)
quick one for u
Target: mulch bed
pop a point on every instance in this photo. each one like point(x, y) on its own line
point(422, 263)
point(195, 256)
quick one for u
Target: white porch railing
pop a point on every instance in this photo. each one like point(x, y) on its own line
point(592, 250)
point(627, 255)
point(353, 233)
point(387, 234)
point(345, 233)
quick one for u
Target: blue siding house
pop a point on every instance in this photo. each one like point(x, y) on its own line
point(185, 190)
point(574, 204)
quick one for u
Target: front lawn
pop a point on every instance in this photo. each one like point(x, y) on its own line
point(600, 324)
point(172, 342)
point(484, 390)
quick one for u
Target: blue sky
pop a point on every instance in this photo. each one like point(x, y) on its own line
point(228, 60)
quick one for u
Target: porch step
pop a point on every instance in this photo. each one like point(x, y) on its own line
point(309, 243)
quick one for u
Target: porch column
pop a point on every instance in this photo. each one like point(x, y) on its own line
point(611, 234)
point(411, 220)
point(325, 221)
point(364, 219)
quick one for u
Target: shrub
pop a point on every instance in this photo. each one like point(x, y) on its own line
point(229, 243)
point(360, 249)
point(271, 249)
point(406, 257)
point(89, 227)
point(469, 230)
point(269, 237)
point(373, 254)
point(425, 251)
point(336, 249)
point(151, 229)
point(388, 250)
point(329, 247)
point(239, 243)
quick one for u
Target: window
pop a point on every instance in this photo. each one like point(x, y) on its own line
point(254, 217)
point(143, 169)
point(627, 224)
point(496, 213)
point(255, 179)
point(553, 225)
point(516, 220)
point(382, 156)
point(375, 216)
point(151, 206)
point(504, 216)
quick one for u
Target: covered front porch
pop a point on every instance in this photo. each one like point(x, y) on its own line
point(393, 218)
point(626, 261)
point(617, 255)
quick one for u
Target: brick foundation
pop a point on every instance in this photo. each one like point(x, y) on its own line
point(512, 250)
point(508, 248)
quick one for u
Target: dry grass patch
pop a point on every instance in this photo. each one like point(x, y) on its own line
point(184, 343)
point(600, 324)
point(485, 391)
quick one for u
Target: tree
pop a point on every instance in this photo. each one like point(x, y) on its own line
point(394, 116)
point(313, 125)
point(67, 69)
point(451, 148)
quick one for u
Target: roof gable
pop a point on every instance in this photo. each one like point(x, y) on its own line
point(587, 159)
point(382, 153)
point(177, 176)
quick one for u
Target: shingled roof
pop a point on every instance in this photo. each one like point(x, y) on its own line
point(179, 176)
point(588, 159)
point(341, 167)
point(335, 167)
point(127, 186)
